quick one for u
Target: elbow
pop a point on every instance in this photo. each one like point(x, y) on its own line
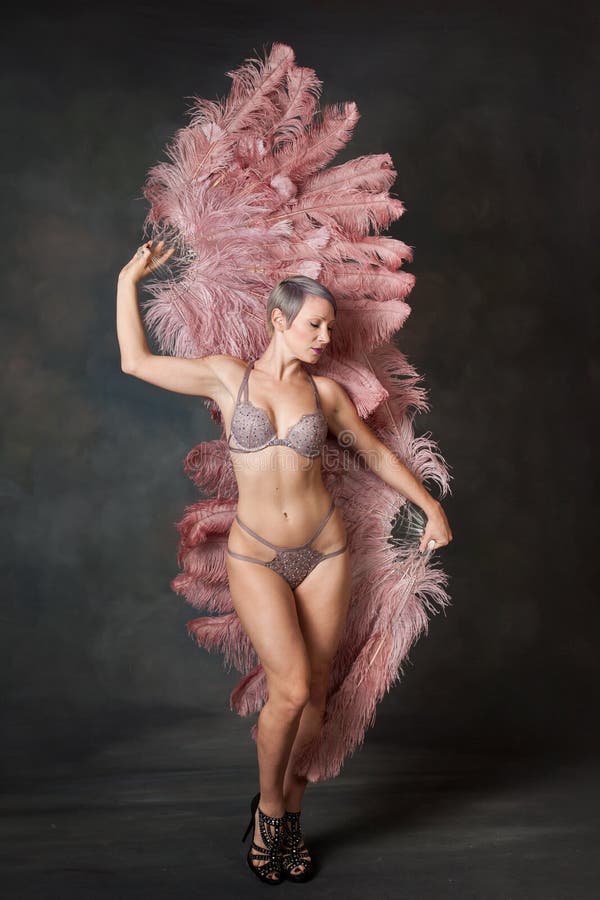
point(134, 365)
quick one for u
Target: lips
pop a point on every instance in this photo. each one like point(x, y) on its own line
point(316, 350)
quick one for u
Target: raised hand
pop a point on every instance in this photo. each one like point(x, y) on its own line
point(146, 259)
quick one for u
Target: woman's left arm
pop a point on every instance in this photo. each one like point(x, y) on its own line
point(351, 431)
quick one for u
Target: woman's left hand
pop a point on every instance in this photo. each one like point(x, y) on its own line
point(437, 529)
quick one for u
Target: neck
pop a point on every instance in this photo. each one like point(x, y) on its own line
point(277, 367)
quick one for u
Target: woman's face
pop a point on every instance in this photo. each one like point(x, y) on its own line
point(310, 333)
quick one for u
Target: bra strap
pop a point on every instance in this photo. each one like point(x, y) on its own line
point(243, 389)
point(312, 381)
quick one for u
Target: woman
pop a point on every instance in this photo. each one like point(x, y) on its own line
point(287, 559)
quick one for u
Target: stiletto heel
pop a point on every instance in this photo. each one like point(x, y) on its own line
point(253, 806)
point(271, 852)
point(293, 853)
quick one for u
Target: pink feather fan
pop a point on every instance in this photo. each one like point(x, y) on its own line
point(247, 198)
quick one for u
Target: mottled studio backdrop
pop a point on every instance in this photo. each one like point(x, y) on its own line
point(489, 111)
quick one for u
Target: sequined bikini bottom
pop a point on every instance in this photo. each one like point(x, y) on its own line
point(292, 563)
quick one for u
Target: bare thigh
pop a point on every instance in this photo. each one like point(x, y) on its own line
point(266, 607)
point(322, 601)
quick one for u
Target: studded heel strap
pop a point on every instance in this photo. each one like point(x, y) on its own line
point(293, 854)
point(269, 856)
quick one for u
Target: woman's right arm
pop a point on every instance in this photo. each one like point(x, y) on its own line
point(200, 376)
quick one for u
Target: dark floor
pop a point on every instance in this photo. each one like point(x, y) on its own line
point(409, 823)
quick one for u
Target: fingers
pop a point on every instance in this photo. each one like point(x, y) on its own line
point(436, 534)
point(159, 260)
point(167, 254)
point(429, 543)
point(153, 249)
point(152, 257)
point(147, 258)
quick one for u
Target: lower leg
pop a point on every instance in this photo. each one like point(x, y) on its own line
point(296, 856)
point(310, 725)
point(277, 726)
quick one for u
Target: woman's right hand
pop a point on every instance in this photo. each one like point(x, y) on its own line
point(145, 260)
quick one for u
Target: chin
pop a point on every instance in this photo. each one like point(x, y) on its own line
point(313, 357)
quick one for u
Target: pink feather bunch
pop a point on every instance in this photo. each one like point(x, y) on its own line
point(248, 198)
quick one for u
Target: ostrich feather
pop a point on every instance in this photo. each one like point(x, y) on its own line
point(378, 283)
point(247, 697)
point(374, 173)
point(355, 211)
point(249, 103)
point(299, 106)
point(247, 197)
point(319, 143)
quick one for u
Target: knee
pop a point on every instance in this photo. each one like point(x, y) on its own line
point(293, 694)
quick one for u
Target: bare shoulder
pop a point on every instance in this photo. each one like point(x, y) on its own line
point(328, 388)
point(333, 396)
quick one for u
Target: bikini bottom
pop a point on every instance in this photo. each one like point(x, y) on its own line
point(292, 563)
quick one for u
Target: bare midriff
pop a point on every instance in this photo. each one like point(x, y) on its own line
point(283, 498)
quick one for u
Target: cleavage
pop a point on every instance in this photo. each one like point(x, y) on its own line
point(264, 412)
point(273, 429)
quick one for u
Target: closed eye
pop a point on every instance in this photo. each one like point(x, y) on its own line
point(316, 325)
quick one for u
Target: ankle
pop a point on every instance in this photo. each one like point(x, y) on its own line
point(274, 809)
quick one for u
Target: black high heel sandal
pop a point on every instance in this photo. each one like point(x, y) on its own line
point(272, 849)
point(292, 853)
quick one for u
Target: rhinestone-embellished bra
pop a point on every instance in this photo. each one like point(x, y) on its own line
point(253, 430)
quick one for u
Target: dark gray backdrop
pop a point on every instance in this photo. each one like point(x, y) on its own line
point(489, 113)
